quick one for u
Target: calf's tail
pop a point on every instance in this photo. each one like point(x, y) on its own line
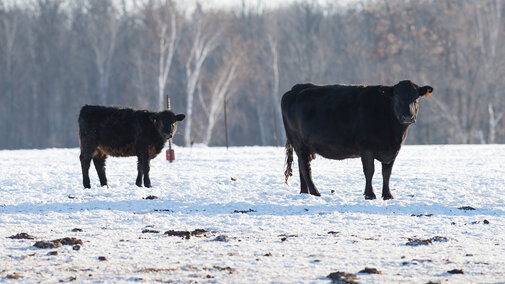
point(289, 161)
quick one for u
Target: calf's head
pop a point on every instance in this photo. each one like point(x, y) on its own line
point(405, 99)
point(165, 122)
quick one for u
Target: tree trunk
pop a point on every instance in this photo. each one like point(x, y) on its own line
point(165, 60)
point(203, 45)
point(276, 100)
point(219, 93)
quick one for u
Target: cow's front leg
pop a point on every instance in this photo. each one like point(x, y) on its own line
point(368, 169)
point(386, 174)
point(143, 167)
point(147, 180)
point(138, 182)
point(143, 171)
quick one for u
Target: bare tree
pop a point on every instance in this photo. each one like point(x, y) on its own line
point(220, 91)
point(494, 121)
point(56, 55)
point(276, 99)
point(10, 27)
point(203, 43)
point(103, 28)
point(167, 34)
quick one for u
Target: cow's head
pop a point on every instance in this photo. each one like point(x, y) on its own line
point(165, 123)
point(405, 99)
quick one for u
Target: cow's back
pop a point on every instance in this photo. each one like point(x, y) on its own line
point(113, 129)
point(335, 121)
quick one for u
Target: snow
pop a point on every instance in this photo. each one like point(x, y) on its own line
point(41, 194)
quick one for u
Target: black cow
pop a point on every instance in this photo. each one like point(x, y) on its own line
point(345, 121)
point(122, 132)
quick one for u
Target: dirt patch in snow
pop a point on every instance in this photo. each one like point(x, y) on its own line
point(155, 270)
point(22, 236)
point(342, 277)
point(414, 242)
point(151, 197)
point(421, 215)
point(370, 270)
point(244, 211)
point(187, 234)
point(58, 243)
point(14, 276)
point(466, 208)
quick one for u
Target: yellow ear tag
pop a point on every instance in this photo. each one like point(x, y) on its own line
point(154, 120)
point(428, 95)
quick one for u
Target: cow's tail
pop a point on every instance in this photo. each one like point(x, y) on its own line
point(289, 161)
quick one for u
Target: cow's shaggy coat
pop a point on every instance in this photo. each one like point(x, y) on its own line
point(122, 132)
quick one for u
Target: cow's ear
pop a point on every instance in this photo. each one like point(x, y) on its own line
point(386, 91)
point(154, 118)
point(425, 91)
point(179, 117)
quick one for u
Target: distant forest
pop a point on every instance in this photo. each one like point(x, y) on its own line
point(57, 55)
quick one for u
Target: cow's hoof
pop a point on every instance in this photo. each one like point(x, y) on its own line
point(370, 196)
point(138, 184)
point(87, 186)
point(387, 196)
point(316, 193)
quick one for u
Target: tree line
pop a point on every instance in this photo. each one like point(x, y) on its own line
point(57, 55)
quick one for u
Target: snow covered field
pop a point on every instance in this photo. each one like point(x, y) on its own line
point(280, 235)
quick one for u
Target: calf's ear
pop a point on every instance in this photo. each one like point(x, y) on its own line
point(179, 117)
point(425, 91)
point(386, 91)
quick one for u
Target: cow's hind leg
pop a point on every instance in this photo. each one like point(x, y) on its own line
point(306, 172)
point(368, 169)
point(85, 158)
point(99, 162)
point(303, 184)
point(386, 174)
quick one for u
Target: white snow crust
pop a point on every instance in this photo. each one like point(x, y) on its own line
point(41, 194)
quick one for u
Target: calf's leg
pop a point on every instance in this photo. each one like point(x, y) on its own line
point(386, 174)
point(368, 169)
point(138, 182)
point(147, 180)
point(306, 173)
point(143, 168)
point(99, 162)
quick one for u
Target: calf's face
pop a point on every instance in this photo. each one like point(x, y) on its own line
point(166, 123)
point(405, 100)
